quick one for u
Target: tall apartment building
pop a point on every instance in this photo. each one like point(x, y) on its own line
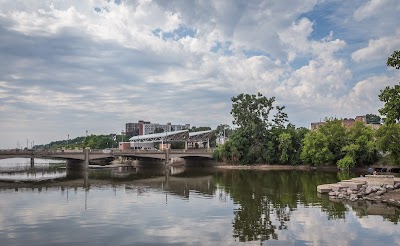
point(132, 129)
point(146, 127)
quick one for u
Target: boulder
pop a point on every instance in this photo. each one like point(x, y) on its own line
point(353, 197)
point(332, 193)
point(389, 187)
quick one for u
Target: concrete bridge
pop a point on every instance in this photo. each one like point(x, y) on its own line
point(88, 155)
point(72, 155)
point(166, 154)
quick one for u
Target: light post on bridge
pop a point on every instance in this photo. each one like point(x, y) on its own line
point(122, 143)
point(68, 142)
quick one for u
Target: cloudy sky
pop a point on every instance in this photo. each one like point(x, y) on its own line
point(71, 66)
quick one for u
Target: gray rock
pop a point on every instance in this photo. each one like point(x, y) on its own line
point(368, 190)
point(379, 192)
point(397, 186)
point(375, 188)
point(377, 197)
point(353, 197)
point(332, 193)
point(383, 189)
point(389, 187)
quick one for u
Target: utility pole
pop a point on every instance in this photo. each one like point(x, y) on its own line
point(27, 141)
point(68, 142)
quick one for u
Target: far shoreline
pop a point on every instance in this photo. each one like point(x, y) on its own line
point(276, 167)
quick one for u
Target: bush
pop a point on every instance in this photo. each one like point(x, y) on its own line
point(346, 162)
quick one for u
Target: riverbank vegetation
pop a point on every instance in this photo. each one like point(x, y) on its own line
point(264, 139)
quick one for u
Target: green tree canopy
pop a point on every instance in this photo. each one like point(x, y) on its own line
point(394, 60)
point(389, 140)
point(256, 140)
point(336, 135)
point(373, 119)
point(251, 111)
point(391, 97)
point(316, 149)
point(360, 148)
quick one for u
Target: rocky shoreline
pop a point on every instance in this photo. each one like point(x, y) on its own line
point(366, 192)
point(263, 167)
point(379, 188)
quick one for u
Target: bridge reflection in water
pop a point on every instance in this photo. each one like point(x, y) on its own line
point(138, 157)
point(175, 180)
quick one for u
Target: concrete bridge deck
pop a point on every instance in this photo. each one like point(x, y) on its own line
point(99, 154)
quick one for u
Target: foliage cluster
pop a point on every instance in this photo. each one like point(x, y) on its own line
point(91, 141)
point(334, 144)
point(260, 139)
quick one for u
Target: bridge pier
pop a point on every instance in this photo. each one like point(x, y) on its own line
point(32, 162)
point(86, 154)
point(167, 156)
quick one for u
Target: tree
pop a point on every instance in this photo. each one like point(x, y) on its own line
point(336, 136)
point(394, 60)
point(285, 144)
point(256, 139)
point(360, 147)
point(223, 129)
point(373, 119)
point(250, 111)
point(389, 140)
point(346, 162)
point(391, 97)
point(316, 149)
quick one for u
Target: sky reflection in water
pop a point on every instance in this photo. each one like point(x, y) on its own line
point(214, 208)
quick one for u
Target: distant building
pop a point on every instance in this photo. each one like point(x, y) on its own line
point(362, 118)
point(347, 122)
point(146, 127)
point(316, 125)
point(132, 129)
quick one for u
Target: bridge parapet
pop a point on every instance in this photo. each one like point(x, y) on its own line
point(99, 154)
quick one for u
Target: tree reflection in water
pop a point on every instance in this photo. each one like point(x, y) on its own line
point(268, 198)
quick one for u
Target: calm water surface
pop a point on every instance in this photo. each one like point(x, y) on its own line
point(182, 207)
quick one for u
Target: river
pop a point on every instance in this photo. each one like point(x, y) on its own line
point(50, 205)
